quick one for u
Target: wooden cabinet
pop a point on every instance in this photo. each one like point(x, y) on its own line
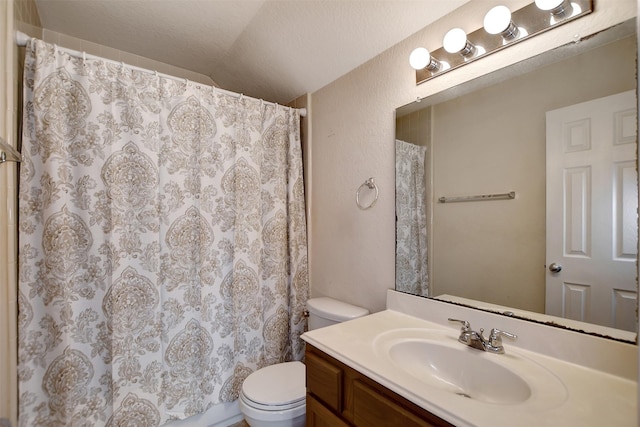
point(319, 415)
point(339, 396)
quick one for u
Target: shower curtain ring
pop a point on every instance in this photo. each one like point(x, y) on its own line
point(371, 184)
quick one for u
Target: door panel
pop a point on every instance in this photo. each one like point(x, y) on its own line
point(592, 204)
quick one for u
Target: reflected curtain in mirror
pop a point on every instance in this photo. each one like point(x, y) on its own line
point(411, 219)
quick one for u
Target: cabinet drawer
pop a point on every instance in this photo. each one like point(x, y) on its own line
point(324, 381)
point(370, 408)
point(319, 416)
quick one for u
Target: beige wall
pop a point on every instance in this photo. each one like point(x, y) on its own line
point(7, 318)
point(119, 55)
point(415, 127)
point(10, 13)
point(352, 139)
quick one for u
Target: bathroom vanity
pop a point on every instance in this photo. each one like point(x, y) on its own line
point(405, 366)
point(338, 395)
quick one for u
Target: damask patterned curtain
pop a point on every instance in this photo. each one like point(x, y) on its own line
point(411, 219)
point(162, 243)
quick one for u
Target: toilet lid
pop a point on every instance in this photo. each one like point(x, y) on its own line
point(276, 385)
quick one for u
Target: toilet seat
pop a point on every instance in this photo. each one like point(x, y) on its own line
point(275, 388)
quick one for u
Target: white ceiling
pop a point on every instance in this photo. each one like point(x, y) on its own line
point(276, 50)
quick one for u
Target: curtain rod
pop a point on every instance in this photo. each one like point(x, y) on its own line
point(22, 39)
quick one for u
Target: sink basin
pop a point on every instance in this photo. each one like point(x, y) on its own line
point(459, 371)
point(435, 359)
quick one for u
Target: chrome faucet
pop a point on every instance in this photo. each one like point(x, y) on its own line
point(477, 340)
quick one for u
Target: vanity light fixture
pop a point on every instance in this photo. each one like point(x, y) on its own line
point(498, 21)
point(456, 41)
point(502, 28)
point(421, 58)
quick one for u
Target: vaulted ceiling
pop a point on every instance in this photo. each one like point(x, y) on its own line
point(270, 49)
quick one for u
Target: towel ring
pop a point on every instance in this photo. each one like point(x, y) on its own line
point(369, 183)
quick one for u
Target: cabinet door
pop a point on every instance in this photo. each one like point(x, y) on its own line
point(319, 416)
point(324, 381)
point(370, 408)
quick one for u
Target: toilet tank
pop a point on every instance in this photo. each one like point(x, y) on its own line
point(325, 311)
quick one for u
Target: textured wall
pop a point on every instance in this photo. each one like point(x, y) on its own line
point(11, 12)
point(352, 139)
point(91, 48)
point(27, 12)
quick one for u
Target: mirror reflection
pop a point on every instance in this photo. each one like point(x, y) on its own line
point(558, 130)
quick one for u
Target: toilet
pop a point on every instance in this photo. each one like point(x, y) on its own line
point(275, 396)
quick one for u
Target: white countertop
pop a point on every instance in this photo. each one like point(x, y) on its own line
point(592, 398)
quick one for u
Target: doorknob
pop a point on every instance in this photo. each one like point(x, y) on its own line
point(555, 268)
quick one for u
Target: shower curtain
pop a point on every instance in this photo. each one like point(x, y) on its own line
point(411, 219)
point(162, 242)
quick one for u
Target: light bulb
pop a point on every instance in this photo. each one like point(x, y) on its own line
point(419, 58)
point(498, 21)
point(455, 41)
point(555, 7)
point(548, 4)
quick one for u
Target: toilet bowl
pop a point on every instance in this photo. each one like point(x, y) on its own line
point(275, 396)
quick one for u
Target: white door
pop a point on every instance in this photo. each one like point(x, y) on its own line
point(592, 205)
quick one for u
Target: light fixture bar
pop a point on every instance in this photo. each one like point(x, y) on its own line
point(530, 18)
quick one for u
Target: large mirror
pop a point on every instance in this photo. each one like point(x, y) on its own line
point(517, 192)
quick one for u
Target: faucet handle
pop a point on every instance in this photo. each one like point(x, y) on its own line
point(466, 326)
point(495, 337)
